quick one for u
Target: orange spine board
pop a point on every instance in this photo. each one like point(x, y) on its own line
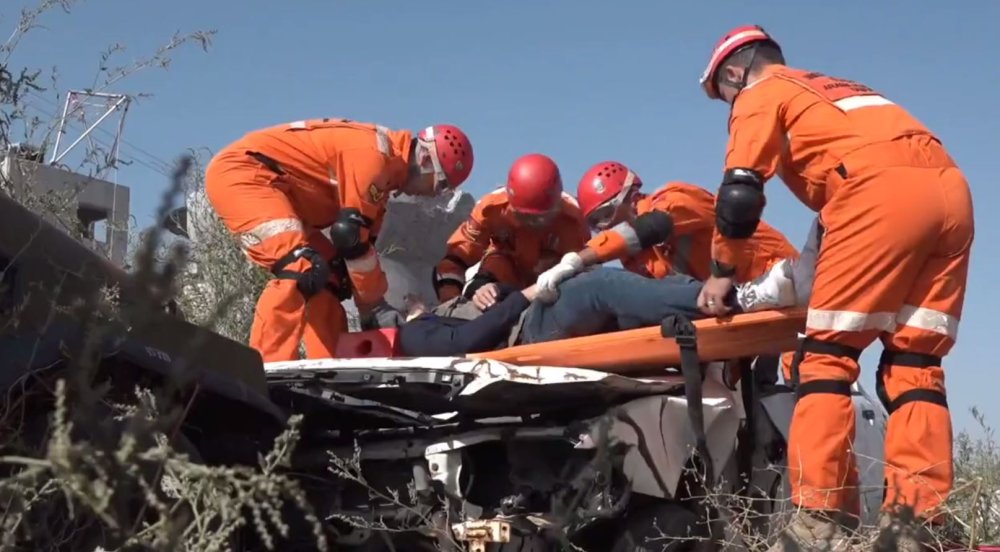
point(742, 335)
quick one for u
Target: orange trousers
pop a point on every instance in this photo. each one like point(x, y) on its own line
point(892, 265)
point(273, 216)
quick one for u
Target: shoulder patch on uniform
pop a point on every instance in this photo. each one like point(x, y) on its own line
point(472, 229)
point(375, 193)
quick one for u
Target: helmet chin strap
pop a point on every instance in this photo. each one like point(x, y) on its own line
point(419, 166)
point(742, 83)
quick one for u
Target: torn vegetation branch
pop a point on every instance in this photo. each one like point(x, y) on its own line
point(196, 507)
point(112, 463)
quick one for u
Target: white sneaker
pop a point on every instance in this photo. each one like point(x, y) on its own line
point(774, 289)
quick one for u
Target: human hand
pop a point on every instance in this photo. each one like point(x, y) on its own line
point(711, 298)
point(486, 296)
point(530, 292)
point(548, 281)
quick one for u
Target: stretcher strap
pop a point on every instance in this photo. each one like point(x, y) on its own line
point(747, 438)
point(684, 332)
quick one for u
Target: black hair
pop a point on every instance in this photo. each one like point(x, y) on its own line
point(759, 53)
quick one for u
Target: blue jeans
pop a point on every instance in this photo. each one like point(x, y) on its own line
point(606, 299)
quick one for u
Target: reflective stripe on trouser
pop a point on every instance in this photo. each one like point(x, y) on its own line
point(251, 207)
point(892, 265)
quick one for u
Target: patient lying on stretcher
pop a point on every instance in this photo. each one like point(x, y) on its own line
point(596, 301)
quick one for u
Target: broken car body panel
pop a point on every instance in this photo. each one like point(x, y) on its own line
point(585, 409)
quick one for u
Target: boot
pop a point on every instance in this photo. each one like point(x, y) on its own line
point(906, 535)
point(774, 289)
point(812, 532)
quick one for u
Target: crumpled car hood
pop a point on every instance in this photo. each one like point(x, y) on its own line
point(473, 387)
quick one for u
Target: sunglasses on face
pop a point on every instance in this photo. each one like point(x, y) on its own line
point(602, 217)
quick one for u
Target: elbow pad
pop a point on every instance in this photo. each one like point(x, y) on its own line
point(653, 227)
point(346, 234)
point(740, 203)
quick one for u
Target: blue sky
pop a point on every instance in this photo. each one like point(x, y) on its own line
point(574, 79)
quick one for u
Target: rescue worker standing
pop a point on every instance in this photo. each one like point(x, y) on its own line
point(897, 226)
point(667, 231)
point(279, 188)
point(516, 231)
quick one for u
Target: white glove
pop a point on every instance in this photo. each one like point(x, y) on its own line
point(548, 282)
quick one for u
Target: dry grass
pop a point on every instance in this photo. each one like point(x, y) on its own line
point(970, 516)
point(102, 470)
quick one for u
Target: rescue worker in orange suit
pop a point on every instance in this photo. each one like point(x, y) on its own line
point(897, 226)
point(667, 231)
point(278, 189)
point(516, 231)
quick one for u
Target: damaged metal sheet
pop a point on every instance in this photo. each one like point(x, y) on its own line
point(351, 413)
point(660, 439)
point(654, 429)
point(472, 387)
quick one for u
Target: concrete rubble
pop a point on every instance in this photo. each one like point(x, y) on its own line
point(412, 241)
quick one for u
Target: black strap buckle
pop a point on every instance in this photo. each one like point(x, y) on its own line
point(686, 341)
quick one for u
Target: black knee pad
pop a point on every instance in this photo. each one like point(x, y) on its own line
point(313, 279)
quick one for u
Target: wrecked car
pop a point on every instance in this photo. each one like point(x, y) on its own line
point(486, 454)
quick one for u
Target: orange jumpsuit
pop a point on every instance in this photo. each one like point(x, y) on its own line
point(510, 252)
point(277, 189)
point(689, 249)
point(893, 260)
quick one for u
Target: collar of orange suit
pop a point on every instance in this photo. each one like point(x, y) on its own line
point(398, 167)
point(764, 73)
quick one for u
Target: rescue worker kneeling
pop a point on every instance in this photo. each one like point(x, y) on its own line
point(279, 188)
point(896, 229)
point(514, 232)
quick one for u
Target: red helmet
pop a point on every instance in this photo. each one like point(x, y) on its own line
point(451, 153)
point(731, 42)
point(603, 189)
point(534, 184)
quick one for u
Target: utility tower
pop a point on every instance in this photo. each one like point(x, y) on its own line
point(97, 198)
